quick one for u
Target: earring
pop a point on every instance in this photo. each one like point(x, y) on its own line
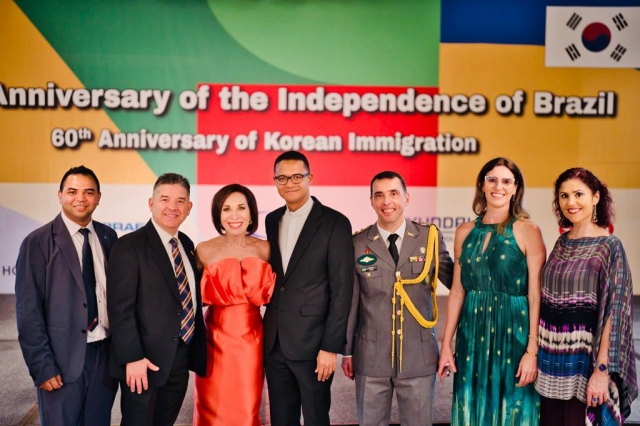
point(250, 222)
point(513, 198)
point(594, 217)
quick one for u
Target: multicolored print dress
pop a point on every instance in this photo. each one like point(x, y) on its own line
point(492, 333)
point(584, 282)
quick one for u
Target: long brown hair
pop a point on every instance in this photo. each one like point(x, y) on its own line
point(515, 205)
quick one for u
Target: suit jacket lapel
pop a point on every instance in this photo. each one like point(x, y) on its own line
point(410, 243)
point(63, 240)
point(161, 258)
point(378, 246)
point(309, 229)
point(273, 234)
point(105, 242)
point(190, 253)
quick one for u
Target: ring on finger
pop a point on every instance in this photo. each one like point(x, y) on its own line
point(595, 399)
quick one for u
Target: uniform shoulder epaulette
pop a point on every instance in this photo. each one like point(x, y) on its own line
point(426, 224)
point(362, 230)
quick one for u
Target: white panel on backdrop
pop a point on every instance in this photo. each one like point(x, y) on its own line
point(125, 208)
point(447, 208)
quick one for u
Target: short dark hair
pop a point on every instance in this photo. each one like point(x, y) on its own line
point(604, 208)
point(515, 205)
point(80, 170)
point(387, 175)
point(172, 179)
point(221, 196)
point(294, 156)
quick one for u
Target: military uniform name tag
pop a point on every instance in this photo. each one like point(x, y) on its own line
point(369, 268)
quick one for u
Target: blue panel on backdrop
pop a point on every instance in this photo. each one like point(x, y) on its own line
point(504, 21)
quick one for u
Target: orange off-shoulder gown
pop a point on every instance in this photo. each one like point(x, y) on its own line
point(231, 392)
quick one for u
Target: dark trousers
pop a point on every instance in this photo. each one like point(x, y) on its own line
point(559, 412)
point(158, 406)
point(292, 384)
point(88, 400)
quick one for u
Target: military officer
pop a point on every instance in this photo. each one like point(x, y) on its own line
point(391, 342)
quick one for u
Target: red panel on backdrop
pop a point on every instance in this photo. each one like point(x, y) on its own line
point(342, 164)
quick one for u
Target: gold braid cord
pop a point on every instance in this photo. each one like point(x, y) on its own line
point(399, 291)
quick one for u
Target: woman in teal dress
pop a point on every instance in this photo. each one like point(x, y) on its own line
point(494, 305)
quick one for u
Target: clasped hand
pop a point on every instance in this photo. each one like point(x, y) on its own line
point(52, 384)
point(446, 363)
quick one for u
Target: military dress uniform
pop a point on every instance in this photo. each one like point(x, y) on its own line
point(390, 331)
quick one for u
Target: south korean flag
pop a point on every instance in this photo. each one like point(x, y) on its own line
point(593, 37)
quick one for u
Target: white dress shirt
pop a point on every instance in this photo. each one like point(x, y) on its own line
point(290, 227)
point(102, 329)
point(400, 231)
point(166, 242)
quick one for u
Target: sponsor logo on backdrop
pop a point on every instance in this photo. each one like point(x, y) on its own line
point(593, 37)
point(446, 224)
point(124, 227)
point(8, 270)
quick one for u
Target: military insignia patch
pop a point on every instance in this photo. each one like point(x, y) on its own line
point(369, 268)
point(417, 259)
point(367, 259)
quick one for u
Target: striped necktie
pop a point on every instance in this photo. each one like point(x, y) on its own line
point(188, 324)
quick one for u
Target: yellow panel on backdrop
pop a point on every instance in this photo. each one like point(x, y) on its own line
point(25, 134)
point(542, 146)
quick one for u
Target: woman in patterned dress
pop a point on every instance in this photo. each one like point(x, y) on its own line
point(586, 365)
point(494, 304)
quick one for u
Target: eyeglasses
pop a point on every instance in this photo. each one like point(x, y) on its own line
point(297, 178)
point(493, 181)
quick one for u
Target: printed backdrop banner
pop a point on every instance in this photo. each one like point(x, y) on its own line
point(338, 126)
point(216, 90)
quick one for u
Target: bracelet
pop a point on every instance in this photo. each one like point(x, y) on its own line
point(534, 337)
point(531, 353)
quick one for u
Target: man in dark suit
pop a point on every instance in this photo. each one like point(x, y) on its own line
point(63, 328)
point(394, 347)
point(155, 310)
point(305, 322)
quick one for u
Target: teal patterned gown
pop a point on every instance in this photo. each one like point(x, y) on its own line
point(492, 333)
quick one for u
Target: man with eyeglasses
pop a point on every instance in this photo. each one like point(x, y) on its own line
point(305, 322)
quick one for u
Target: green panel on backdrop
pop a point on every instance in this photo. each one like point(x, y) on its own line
point(146, 44)
point(359, 42)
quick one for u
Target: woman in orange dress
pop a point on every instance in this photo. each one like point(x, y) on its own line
point(236, 281)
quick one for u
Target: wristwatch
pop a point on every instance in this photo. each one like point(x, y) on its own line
point(602, 367)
